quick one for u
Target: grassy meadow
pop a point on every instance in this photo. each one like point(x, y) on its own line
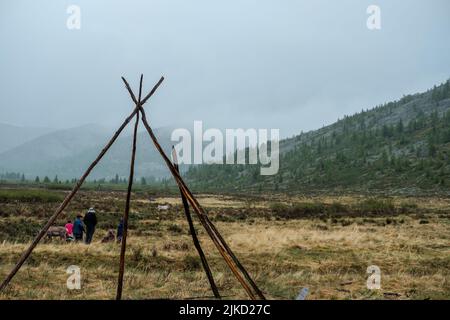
point(324, 243)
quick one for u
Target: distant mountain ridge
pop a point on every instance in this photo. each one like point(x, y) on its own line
point(400, 146)
point(67, 154)
point(12, 136)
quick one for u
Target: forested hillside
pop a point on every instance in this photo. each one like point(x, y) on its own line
point(401, 146)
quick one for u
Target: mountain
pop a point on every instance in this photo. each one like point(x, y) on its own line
point(400, 146)
point(13, 136)
point(36, 157)
point(148, 162)
point(68, 153)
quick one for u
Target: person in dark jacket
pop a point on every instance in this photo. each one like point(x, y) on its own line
point(78, 229)
point(120, 231)
point(90, 221)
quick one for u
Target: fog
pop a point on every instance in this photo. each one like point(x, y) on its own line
point(293, 65)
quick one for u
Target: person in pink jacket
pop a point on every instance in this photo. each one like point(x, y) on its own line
point(69, 230)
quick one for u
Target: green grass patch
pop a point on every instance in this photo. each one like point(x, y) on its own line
point(297, 210)
point(19, 230)
point(376, 206)
point(17, 195)
point(368, 206)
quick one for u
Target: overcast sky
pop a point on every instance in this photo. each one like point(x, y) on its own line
point(294, 65)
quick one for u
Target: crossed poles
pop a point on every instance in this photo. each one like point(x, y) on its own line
point(187, 197)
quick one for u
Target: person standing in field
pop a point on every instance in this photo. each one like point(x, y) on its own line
point(69, 230)
point(120, 231)
point(90, 221)
point(78, 229)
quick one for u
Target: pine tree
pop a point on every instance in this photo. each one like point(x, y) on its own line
point(435, 94)
point(432, 150)
point(400, 126)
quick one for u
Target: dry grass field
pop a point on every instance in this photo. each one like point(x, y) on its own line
point(324, 243)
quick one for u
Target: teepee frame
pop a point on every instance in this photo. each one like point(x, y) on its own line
point(187, 198)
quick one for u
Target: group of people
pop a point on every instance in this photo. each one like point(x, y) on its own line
point(77, 229)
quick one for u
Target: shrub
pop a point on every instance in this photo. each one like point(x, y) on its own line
point(224, 218)
point(278, 207)
point(297, 210)
point(191, 263)
point(137, 254)
point(19, 230)
point(376, 206)
point(29, 196)
point(175, 246)
point(308, 208)
point(346, 223)
point(408, 207)
point(337, 207)
point(174, 228)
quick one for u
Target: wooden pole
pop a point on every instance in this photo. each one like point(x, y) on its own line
point(224, 250)
point(194, 235)
point(75, 189)
point(127, 203)
point(235, 259)
point(199, 211)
